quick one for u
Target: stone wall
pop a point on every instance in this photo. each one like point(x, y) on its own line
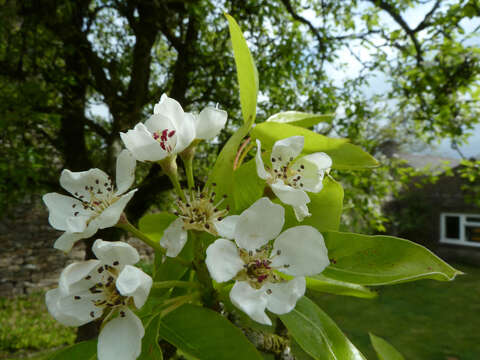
point(28, 261)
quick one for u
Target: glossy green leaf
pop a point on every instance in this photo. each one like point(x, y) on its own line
point(246, 72)
point(324, 284)
point(382, 260)
point(384, 350)
point(344, 154)
point(205, 334)
point(153, 225)
point(301, 119)
point(317, 334)
point(248, 186)
point(222, 171)
point(150, 348)
point(85, 350)
point(325, 207)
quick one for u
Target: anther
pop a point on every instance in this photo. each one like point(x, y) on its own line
point(75, 213)
point(76, 297)
point(88, 277)
point(73, 206)
point(269, 291)
point(92, 314)
point(115, 263)
point(122, 313)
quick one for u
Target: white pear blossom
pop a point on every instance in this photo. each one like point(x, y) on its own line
point(96, 203)
point(170, 130)
point(198, 212)
point(256, 264)
point(290, 178)
point(106, 287)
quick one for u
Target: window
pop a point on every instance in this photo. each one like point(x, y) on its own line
point(460, 229)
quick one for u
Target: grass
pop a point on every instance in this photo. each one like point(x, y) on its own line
point(26, 327)
point(425, 320)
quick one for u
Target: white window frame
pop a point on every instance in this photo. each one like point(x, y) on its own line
point(462, 223)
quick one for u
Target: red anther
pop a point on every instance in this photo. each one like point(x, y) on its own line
point(171, 133)
point(261, 278)
point(156, 136)
point(162, 145)
point(96, 203)
point(258, 263)
point(164, 132)
point(266, 263)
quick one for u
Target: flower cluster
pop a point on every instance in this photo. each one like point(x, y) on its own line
point(258, 267)
point(251, 248)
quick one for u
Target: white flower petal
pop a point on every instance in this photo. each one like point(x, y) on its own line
point(121, 338)
point(226, 227)
point(79, 183)
point(261, 172)
point(321, 160)
point(258, 224)
point(286, 150)
point(159, 123)
point(108, 252)
point(289, 195)
point(61, 208)
point(169, 108)
point(66, 241)
point(285, 295)
point(174, 238)
point(184, 123)
point(223, 261)
point(109, 217)
point(125, 171)
point(301, 212)
point(210, 122)
point(135, 283)
point(74, 273)
point(78, 306)
point(51, 299)
point(142, 145)
point(251, 301)
point(186, 132)
point(303, 249)
point(314, 168)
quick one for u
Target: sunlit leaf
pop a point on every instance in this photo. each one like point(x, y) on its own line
point(382, 260)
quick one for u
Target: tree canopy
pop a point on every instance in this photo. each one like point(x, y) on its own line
point(61, 61)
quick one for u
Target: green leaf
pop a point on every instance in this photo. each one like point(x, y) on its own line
point(344, 155)
point(246, 72)
point(150, 348)
point(85, 350)
point(317, 334)
point(222, 171)
point(382, 260)
point(153, 225)
point(248, 186)
point(384, 350)
point(324, 284)
point(301, 119)
point(325, 207)
point(205, 334)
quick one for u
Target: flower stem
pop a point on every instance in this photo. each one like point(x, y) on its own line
point(175, 283)
point(169, 167)
point(189, 171)
point(177, 302)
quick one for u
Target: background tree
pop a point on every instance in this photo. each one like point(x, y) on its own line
point(60, 59)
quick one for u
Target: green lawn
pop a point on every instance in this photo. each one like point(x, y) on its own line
point(427, 320)
point(26, 327)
